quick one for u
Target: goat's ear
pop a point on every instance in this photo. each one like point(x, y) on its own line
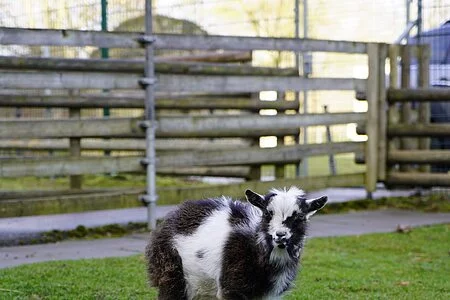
point(256, 199)
point(314, 205)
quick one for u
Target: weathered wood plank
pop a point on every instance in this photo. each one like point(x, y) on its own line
point(382, 111)
point(210, 57)
point(416, 179)
point(393, 111)
point(189, 126)
point(101, 101)
point(372, 127)
point(419, 156)
point(237, 190)
point(419, 130)
point(124, 144)
point(69, 166)
point(248, 125)
point(424, 107)
point(70, 128)
point(94, 165)
point(209, 42)
point(40, 37)
point(233, 171)
point(256, 155)
point(76, 181)
point(418, 94)
point(406, 107)
point(137, 66)
point(128, 198)
point(174, 83)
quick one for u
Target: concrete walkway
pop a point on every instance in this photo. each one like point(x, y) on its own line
point(321, 225)
point(13, 230)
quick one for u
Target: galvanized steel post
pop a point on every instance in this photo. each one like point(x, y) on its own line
point(150, 118)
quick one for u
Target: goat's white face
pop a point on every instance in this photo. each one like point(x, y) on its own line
point(285, 214)
point(283, 208)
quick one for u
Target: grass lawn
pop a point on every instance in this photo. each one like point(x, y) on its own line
point(91, 181)
point(317, 166)
point(415, 265)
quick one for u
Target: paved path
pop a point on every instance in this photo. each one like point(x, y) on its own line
point(13, 230)
point(321, 225)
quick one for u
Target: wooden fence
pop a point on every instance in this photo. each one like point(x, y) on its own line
point(401, 155)
point(217, 145)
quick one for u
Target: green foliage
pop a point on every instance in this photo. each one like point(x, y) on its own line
point(377, 266)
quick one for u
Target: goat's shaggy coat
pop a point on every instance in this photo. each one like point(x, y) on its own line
point(230, 249)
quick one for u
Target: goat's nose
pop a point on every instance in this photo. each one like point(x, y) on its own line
point(280, 233)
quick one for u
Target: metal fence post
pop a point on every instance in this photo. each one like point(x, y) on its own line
point(150, 118)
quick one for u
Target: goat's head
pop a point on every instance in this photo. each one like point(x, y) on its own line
point(285, 216)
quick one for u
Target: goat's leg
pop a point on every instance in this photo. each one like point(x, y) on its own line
point(166, 270)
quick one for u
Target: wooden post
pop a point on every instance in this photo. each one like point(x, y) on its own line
point(406, 109)
point(75, 146)
point(331, 160)
point(280, 169)
point(393, 113)
point(372, 118)
point(424, 107)
point(255, 171)
point(382, 115)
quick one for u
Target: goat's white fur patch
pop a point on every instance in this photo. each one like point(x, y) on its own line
point(210, 265)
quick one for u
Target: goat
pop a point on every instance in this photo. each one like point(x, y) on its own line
point(231, 249)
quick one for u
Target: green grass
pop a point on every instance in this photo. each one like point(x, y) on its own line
point(415, 265)
point(90, 181)
point(317, 166)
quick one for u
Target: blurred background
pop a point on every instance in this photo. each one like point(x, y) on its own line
point(386, 21)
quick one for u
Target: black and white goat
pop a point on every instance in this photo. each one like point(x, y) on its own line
point(230, 249)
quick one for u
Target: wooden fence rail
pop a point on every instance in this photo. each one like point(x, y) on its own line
point(41, 37)
point(137, 66)
point(94, 165)
point(248, 125)
point(189, 126)
point(174, 83)
point(418, 94)
point(124, 127)
point(418, 179)
point(412, 130)
point(257, 156)
point(419, 156)
point(419, 130)
point(111, 101)
point(124, 144)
